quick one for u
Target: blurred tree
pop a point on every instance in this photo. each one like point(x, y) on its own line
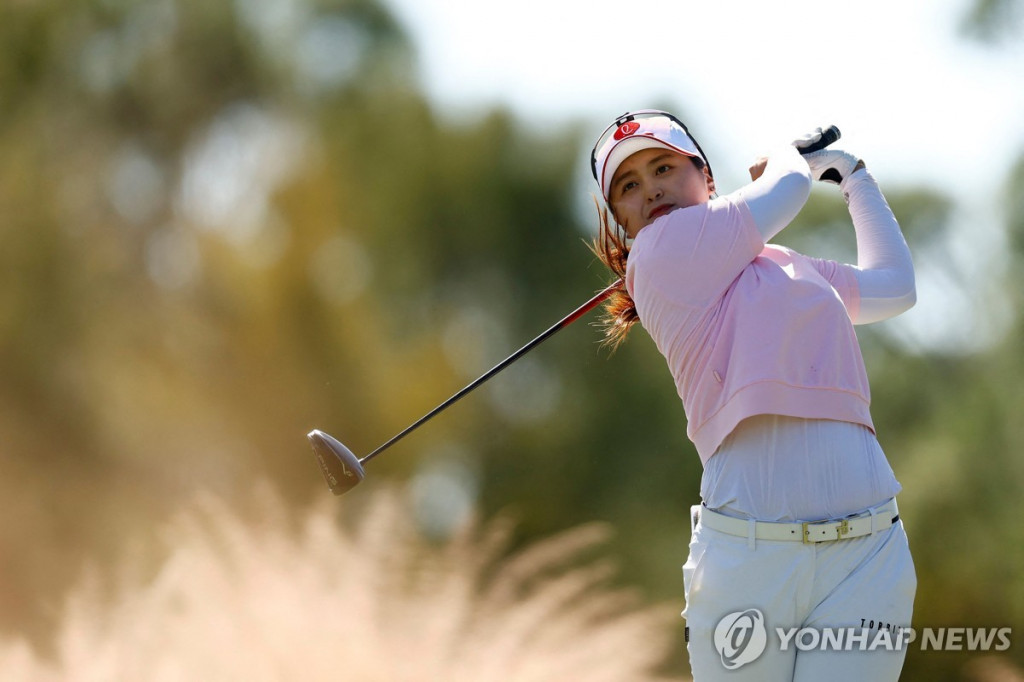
point(993, 21)
point(164, 199)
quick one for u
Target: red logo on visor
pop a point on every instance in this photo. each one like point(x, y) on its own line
point(626, 129)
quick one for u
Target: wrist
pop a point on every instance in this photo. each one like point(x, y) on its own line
point(852, 179)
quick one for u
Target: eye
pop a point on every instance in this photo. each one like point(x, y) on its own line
point(663, 168)
point(627, 186)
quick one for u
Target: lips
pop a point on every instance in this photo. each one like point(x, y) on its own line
point(660, 211)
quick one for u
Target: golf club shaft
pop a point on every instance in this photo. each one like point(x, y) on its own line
point(561, 324)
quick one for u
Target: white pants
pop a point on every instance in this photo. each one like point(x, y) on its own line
point(865, 583)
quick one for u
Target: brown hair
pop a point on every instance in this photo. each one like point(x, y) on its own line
point(610, 246)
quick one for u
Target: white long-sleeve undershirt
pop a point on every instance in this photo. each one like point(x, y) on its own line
point(885, 271)
point(776, 197)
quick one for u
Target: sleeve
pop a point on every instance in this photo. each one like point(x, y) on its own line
point(693, 254)
point(884, 271)
point(777, 196)
point(844, 280)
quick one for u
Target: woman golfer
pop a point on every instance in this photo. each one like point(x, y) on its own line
point(799, 567)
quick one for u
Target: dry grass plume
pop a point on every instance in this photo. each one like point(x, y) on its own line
point(270, 597)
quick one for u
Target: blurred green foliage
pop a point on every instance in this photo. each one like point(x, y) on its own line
point(223, 224)
point(993, 21)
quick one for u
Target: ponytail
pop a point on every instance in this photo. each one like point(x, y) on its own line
point(610, 246)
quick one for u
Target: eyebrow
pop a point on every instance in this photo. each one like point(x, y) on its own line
point(657, 159)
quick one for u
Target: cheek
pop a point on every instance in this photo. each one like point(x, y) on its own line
point(619, 212)
point(625, 215)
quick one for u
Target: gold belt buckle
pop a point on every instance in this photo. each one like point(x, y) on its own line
point(842, 530)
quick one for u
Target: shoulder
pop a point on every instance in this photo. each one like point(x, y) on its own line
point(781, 254)
point(723, 211)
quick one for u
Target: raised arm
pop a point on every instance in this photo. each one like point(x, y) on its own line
point(780, 187)
point(885, 271)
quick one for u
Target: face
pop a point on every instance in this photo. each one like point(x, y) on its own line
point(653, 182)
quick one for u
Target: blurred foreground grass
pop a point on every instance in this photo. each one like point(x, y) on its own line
point(268, 596)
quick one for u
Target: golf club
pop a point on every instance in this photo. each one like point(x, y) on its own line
point(343, 470)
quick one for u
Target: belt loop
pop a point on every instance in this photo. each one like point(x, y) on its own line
point(874, 515)
point(751, 533)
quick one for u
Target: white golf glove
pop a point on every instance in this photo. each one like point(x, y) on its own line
point(807, 140)
point(831, 165)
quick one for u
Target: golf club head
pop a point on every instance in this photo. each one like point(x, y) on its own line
point(340, 467)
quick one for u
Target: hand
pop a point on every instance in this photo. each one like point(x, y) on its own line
point(832, 165)
point(807, 140)
point(757, 168)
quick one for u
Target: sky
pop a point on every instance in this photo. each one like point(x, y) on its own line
point(920, 104)
point(894, 76)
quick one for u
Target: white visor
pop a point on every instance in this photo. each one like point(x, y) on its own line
point(642, 130)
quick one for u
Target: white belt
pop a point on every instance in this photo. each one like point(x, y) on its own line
point(877, 519)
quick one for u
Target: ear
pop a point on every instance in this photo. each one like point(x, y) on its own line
point(710, 182)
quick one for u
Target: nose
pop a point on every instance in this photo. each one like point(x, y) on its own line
point(653, 192)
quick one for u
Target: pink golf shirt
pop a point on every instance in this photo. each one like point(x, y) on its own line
point(746, 328)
